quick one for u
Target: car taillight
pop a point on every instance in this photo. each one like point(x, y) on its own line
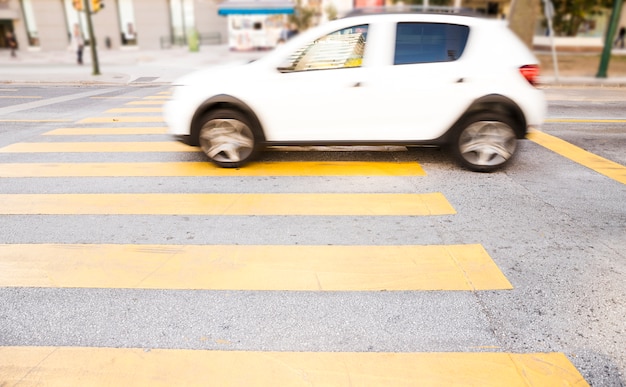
point(530, 73)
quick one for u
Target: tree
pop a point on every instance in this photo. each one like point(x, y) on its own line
point(303, 17)
point(331, 11)
point(569, 15)
point(522, 19)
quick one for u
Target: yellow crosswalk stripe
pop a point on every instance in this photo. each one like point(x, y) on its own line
point(20, 96)
point(64, 366)
point(148, 102)
point(42, 120)
point(305, 204)
point(158, 97)
point(116, 130)
point(136, 110)
point(98, 120)
point(145, 146)
point(93, 147)
point(251, 267)
point(114, 97)
point(283, 168)
point(592, 161)
point(585, 120)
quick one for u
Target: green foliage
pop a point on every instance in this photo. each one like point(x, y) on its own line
point(569, 15)
point(331, 11)
point(302, 17)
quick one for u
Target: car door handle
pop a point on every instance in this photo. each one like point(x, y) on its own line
point(358, 84)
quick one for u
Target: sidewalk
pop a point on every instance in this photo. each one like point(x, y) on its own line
point(163, 67)
point(116, 66)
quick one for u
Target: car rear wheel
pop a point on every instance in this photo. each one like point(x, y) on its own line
point(228, 138)
point(485, 142)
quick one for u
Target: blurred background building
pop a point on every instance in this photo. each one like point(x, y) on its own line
point(119, 24)
point(243, 24)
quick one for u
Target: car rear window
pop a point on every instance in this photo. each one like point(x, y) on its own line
point(429, 42)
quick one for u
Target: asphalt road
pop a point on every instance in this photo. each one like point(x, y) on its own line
point(554, 228)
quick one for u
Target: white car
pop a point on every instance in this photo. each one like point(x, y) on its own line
point(390, 78)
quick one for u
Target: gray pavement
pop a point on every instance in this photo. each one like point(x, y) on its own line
point(162, 67)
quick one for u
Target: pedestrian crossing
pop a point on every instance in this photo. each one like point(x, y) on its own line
point(249, 267)
point(267, 168)
point(146, 102)
point(115, 130)
point(98, 147)
point(335, 204)
point(136, 110)
point(122, 118)
point(592, 161)
point(119, 366)
point(203, 168)
point(241, 267)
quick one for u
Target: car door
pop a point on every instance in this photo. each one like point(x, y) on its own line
point(426, 81)
point(315, 94)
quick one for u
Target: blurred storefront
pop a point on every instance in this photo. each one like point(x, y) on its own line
point(368, 3)
point(257, 24)
point(120, 24)
point(9, 14)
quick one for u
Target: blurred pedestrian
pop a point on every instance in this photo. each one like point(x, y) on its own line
point(620, 37)
point(288, 32)
point(12, 42)
point(78, 44)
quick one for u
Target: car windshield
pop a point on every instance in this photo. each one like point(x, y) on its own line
point(340, 49)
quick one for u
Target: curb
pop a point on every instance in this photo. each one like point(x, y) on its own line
point(585, 83)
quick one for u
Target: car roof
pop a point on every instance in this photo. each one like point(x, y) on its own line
point(412, 9)
point(487, 26)
point(403, 13)
point(399, 16)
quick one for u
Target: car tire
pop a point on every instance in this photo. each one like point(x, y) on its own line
point(484, 142)
point(229, 138)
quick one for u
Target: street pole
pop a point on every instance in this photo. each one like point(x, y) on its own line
point(548, 10)
point(92, 38)
point(608, 41)
point(182, 15)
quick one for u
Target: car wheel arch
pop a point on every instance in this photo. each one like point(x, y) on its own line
point(222, 101)
point(497, 104)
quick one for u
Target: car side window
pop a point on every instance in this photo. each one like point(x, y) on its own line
point(340, 49)
point(429, 42)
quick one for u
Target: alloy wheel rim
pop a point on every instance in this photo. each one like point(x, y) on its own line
point(226, 140)
point(487, 143)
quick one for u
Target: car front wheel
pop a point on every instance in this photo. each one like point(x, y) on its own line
point(228, 138)
point(484, 142)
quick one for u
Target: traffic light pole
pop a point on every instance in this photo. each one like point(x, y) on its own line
point(608, 41)
point(92, 38)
